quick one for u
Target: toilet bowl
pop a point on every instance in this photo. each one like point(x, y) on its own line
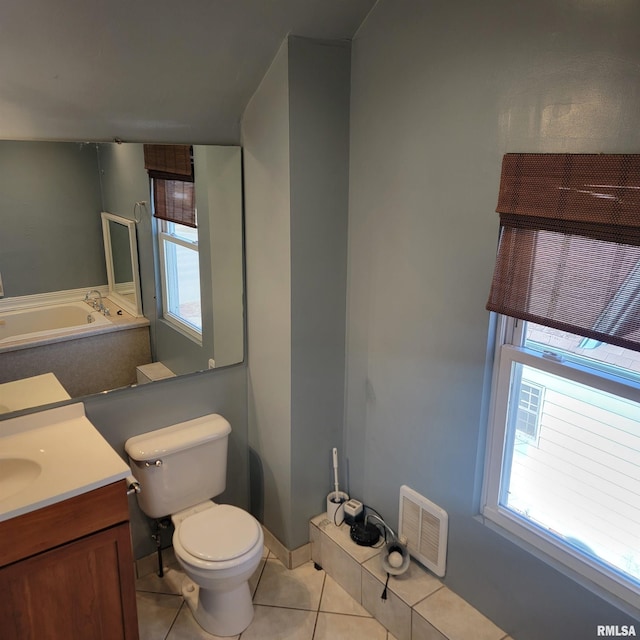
point(219, 547)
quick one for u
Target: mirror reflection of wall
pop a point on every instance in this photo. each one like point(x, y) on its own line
point(122, 267)
point(51, 234)
point(51, 196)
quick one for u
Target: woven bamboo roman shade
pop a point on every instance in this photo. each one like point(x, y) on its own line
point(569, 252)
point(171, 168)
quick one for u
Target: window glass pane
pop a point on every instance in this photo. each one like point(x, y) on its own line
point(579, 480)
point(182, 273)
point(624, 362)
point(190, 234)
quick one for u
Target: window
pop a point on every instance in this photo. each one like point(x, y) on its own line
point(562, 470)
point(180, 272)
point(170, 168)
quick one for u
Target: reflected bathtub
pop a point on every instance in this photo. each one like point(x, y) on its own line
point(42, 324)
point(86, 351)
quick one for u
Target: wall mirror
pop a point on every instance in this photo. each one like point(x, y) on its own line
point(121, 261)
point(52, 195)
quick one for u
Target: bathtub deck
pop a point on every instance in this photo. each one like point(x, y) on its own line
point(29, 392)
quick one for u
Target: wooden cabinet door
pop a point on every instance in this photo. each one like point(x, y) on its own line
point(83, 590)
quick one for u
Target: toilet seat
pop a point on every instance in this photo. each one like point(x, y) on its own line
point(223, 532)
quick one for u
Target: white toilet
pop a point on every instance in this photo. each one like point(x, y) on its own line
point(219, 546)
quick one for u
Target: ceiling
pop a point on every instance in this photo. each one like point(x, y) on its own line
point(156, 70)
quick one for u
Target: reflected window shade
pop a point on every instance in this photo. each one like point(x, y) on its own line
point(169, 161)
point(569, 251)
point(174, 200)
point(171, 168)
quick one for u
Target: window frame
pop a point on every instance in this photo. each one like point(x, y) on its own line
point(187, 329)
point(550, 548)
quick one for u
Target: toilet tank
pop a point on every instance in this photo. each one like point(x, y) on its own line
point(181, 465)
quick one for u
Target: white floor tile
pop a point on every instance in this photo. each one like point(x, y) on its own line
point(186, 628)
point(255, 578)
point(331, 626)
point(156, 613)
point(298, 588)
point(336, 600)
point(170, 583)
point(276, 622)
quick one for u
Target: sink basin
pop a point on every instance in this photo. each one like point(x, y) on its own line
point(50, 456)
point(16, 474)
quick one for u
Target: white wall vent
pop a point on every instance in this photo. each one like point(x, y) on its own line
point(425, 526)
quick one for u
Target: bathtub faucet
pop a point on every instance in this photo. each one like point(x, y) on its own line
point(96, 304)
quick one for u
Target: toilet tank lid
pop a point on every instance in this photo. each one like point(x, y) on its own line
point(177, 437)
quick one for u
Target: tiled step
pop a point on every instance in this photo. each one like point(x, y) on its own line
point(417, 605)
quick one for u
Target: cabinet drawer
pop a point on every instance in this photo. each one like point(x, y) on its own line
point(51, 526)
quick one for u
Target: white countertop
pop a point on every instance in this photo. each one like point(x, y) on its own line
point(31, 392)
point(50, 456)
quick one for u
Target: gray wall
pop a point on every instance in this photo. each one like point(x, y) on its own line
point(219, 204)
point(319, 168)
point(295, 138)
point(440, 91)
point(50, 228)
point(265, 141)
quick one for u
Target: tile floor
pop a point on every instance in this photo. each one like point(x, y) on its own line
point(298, 604)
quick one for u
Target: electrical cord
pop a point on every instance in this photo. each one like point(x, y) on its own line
point(385, 528)
point(386, 584)
point(335, 513)
point(366, 507)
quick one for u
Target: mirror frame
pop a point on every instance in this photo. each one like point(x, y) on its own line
point(135, 308)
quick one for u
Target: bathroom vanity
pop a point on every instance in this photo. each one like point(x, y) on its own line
point(66, 565)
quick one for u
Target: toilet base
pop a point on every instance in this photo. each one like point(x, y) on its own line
point(221, 613)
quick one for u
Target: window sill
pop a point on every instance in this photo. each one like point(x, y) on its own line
point(185, 331)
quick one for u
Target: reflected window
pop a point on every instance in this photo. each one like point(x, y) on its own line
point(180, 271)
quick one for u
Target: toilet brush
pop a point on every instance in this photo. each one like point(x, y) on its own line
point(336, 495)
point(336, 498)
